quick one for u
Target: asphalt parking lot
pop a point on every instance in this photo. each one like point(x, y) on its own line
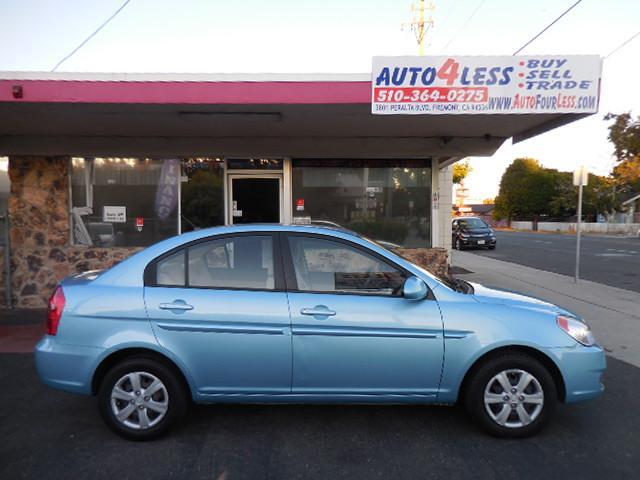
point(49, 434)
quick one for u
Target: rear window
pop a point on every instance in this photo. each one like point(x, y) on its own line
point(238, 262)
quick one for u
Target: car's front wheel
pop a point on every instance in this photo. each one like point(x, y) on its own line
point(512, 395)
point(141, 398)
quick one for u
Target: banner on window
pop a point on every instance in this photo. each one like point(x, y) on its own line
point(490, 85)
point(167, 193)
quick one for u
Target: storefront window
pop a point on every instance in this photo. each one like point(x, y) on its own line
point(203, 193)
point(386, 200)
point(124, 201)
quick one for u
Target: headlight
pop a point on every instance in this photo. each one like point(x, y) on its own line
point(577, 329)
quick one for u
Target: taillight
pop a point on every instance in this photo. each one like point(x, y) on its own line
point(54, 312)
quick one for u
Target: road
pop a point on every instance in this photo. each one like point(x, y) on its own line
point(613, 261)
point(55, 435)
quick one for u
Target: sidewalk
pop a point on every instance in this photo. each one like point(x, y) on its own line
point(612, 313)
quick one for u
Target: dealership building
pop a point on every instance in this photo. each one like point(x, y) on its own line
point(101, 165)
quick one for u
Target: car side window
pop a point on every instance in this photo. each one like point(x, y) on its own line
point(322, 265)
point(233, 262)
point(170, 271)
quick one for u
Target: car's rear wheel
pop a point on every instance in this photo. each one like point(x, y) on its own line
point(141, 398)
point(511, 396)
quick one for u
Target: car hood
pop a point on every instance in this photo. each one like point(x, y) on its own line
point(484, 294)
point(476, 231)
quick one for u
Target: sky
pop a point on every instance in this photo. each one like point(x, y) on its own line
point(341, 36)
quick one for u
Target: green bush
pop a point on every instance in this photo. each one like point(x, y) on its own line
point(390, 230)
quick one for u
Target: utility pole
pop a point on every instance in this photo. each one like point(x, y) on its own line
point(419, 25)
point(580, 178)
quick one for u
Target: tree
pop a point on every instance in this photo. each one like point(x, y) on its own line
point(598, 196)
point(460, 171)
point(564, 202)
point(526, 189)
point(624, 133)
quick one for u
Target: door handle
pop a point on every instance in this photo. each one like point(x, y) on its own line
point(318, 311)
point(177, 305)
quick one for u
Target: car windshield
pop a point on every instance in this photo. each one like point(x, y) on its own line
point(472, 223)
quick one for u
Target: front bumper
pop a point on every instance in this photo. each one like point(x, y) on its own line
point(478, 242)
point(66, 367)
point(582, 368)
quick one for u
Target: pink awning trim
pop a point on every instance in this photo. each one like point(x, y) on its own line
point(69, 91)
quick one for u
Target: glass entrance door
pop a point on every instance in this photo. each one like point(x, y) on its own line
point(255, 199)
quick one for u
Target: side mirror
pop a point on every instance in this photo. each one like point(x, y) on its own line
point(414, 289)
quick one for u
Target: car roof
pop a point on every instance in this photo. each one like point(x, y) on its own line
point(270, 227)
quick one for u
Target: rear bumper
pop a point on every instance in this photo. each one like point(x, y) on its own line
point(66, 367)
point(582, 368)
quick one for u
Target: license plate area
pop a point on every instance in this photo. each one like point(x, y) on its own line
point(480, 242)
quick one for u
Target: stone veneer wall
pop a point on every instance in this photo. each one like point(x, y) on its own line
point(435, 260)
point(38, 271)
point(41, 254)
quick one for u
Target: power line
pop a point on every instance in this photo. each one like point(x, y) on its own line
point(452, 9)
point(473, 14)
point(547, 28)
point(628, 40)
point(104, 24)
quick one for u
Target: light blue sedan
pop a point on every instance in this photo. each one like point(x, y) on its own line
point(284, 314)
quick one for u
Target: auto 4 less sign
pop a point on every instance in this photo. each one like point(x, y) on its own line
point(468, 85)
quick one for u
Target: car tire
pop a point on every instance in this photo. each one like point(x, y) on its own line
point(458, 244)
point(492, 247)
point(521, 411)
point(128, 411)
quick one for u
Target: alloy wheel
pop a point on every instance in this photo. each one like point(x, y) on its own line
point(139, 400)
point(513, 398)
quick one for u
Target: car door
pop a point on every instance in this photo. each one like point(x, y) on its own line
point(353, 332)
point(220, 307)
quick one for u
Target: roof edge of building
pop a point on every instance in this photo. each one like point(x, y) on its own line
point(185, 77)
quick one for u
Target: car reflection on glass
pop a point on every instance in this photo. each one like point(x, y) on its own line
point(330, 224)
